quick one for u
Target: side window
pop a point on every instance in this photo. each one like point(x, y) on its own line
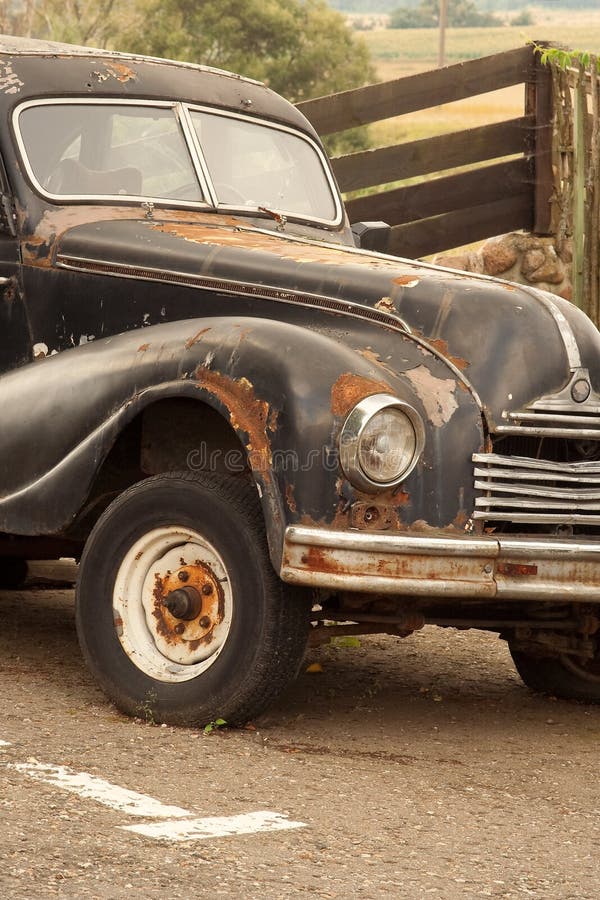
point(95, 149)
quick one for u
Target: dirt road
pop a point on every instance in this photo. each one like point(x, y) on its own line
point(405, 769)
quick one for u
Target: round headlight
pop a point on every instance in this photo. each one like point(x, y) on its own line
point(387, 445)
point(380, 442)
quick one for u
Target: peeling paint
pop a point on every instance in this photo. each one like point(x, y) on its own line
point(386, 304)
point(119, 71)
point(436, 394)
point(10, 83)
point(40, 350)
point(407, 280)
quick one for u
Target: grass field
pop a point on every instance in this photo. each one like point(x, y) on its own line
point(398, 52)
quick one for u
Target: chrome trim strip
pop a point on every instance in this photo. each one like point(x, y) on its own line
point(592, 434)
point(547, 504)
point(530, 475)
point(519, 518)
point(564, 328)
point(228, 286)
point(554, 417)
point(195, 151)
point(412, 564)
point(525, 462)
point(530, 491)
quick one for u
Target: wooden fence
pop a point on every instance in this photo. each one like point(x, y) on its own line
point(576, 168)
point(511, 190)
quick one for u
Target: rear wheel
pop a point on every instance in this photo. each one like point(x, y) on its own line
point(561, 676)
point(179, 613)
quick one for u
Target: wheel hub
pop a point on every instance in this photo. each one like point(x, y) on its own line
point(184, 604)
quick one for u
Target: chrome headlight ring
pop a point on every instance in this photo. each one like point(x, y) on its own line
point(361, 442)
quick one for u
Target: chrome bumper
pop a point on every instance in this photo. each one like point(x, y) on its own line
point(419, 565)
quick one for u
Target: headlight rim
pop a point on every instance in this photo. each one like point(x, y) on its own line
point(350, 434)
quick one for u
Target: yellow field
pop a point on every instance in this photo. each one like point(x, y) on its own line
point(398, 52)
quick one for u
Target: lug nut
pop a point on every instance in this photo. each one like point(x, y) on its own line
point(205, 622)
point(179, 628)
point(183, 575)
point(207, 589)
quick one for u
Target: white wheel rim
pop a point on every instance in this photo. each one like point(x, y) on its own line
point(163, 644)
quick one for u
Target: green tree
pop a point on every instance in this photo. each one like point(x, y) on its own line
point(300, 48)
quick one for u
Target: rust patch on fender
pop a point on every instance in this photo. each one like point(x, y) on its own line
point(406, 280)
point(349, 389)
point(194, 340)
point(442, 347)
point(436, 394)
point(290, 498)
point(143, 347)
point(247, 414)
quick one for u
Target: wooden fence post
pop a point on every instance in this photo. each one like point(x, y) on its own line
point(580, 293)
point(538, 103)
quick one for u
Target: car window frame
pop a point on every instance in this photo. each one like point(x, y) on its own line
point(127, 199)
point(182, 112)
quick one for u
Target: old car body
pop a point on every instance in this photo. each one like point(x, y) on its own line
point(182, 293)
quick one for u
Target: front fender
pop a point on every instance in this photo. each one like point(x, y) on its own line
point(284, 389)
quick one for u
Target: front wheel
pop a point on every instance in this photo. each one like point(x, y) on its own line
point(560, 676)
point(180, 614)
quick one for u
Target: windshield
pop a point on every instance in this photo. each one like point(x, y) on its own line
point(257, 165)
point(165, 151)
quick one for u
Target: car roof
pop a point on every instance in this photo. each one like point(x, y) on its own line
point(38, 69)
point(13, 45)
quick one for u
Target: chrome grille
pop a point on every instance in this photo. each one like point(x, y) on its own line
point(523, 490)
point(556, 423)
point(557, 415)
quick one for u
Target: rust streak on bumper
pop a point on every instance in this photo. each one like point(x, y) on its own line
point(442, 565)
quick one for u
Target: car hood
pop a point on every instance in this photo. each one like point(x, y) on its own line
point(512, 343)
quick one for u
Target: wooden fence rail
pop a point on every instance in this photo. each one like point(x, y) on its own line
point(453, 209)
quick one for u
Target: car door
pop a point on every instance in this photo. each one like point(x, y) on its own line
point(15, 342)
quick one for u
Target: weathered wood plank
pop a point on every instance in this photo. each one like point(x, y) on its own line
point(360, 106)
point(539, 103)
point(446, 151)
point(443, 195)
point(463, 226)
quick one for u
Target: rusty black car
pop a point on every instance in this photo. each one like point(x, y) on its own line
point(250, 429)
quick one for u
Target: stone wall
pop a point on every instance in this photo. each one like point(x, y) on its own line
point(523, 258)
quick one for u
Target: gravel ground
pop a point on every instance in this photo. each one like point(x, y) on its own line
point(420, 767)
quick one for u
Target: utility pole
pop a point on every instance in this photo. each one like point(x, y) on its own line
point(443, 24)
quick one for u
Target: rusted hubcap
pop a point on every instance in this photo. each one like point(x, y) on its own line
point(188, 605)
point(172, 604)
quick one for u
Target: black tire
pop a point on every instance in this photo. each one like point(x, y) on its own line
point(559, 676)
point(13, 572)
point(269, 626)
